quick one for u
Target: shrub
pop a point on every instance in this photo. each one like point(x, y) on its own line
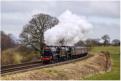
point(10, 57)
point(17, 55)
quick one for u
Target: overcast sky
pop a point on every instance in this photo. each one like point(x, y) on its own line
point(104, 15)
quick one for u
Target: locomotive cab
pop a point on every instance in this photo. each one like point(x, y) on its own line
point(47, 55)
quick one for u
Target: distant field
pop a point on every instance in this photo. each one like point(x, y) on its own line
point(114, 74)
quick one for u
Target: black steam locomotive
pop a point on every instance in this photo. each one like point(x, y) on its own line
point(61, 53)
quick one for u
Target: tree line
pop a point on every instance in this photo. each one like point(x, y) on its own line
point(8, 42)
point(103, 41)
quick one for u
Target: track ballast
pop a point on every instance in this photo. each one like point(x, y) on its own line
point(8, 69)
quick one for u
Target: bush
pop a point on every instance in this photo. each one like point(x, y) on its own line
point(10, 57)
point(17, 58)
point(17, 55)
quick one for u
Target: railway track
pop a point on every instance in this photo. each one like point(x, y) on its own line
point(9, 69)
point(17, 67)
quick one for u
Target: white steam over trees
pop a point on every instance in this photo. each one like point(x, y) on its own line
point(71, 29)
point(33, 32)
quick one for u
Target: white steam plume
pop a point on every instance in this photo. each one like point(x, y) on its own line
point(71, 28)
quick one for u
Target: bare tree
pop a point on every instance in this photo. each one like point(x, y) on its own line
point(106, 39)
point(90, 42)
point(6, 41)
point(116, 42)
point(62, 42)
point(80, 43)
point(33, 32)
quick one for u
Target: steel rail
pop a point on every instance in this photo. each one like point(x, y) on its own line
point(35, 65)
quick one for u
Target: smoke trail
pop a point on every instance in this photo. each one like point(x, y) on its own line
point(71, 29)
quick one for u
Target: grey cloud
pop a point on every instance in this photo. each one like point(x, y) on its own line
point(25, 6)
point(13, 18)
point(100, 29)
point(103, 8)
point(103, 15)
point(110, 26)
point(104, 20)
point(12, 29)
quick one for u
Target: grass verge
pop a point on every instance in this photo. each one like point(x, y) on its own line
point(114, 74)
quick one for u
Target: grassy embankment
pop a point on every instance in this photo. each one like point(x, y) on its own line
point(60, 72)
point(114, 74)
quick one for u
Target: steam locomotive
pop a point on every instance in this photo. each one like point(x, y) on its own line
point(60, 53)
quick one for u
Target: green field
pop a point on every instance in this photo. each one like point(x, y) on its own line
point(114, 74)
